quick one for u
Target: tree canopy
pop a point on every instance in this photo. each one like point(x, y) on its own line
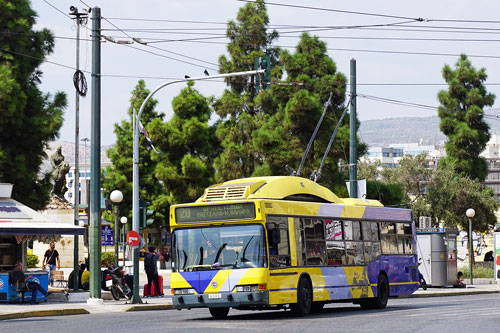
point(29, 119)
point(462, 118)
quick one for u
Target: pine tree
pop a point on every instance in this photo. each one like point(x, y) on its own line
point(118, 176)
point(189, 146)
point(293, 111)
point(29, 119)
point(240, 116)
point(462, 118)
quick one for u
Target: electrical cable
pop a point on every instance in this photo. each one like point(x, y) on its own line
point(336, 10)
point(80, 82)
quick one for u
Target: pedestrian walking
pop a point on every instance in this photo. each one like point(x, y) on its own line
point(50, 259)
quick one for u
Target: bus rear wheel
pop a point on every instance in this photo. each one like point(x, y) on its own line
point(379, 302)
point(304, 299)
point(219, 313)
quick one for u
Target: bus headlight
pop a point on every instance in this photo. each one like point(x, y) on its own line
point(251, 288)
point(183, 291)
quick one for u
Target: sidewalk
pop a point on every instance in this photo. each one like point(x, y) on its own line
point(58, 305)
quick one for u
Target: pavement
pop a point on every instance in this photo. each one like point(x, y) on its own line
point(58, 305)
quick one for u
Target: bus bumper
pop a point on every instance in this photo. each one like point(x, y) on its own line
point(232, 300)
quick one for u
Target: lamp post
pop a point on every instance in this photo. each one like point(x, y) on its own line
point(470, 214)
point(116, 197)
point(135, 170)
point(123, 220)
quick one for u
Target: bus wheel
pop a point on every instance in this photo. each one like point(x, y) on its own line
point(304, 299)
point(219, 313)
point(380, 301)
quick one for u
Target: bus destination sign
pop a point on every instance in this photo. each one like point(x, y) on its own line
point(209, 213)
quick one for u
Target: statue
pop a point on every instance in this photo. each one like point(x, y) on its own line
point(59, 171)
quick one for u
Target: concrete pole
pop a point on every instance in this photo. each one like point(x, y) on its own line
point(353, 154)
point(95, 163)
point(76, 179)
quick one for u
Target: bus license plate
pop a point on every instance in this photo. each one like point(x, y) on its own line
point(214, 296)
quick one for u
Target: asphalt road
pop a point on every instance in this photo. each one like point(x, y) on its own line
point(478, 313)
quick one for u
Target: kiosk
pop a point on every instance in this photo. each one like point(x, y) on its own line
point(437, 255)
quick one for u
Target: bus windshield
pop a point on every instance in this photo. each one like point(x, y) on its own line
point(214, 248)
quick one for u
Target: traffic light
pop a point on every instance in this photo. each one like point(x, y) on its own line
point(145, 214)
point(263, 80)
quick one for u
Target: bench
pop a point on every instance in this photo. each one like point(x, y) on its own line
point(58, 278)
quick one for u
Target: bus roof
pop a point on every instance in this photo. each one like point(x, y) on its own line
point(277, 187)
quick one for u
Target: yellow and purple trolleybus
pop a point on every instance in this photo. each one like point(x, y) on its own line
point(288, 243)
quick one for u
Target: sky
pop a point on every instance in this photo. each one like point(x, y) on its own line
point(398, 57)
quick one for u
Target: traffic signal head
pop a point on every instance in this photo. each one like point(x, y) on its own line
point(263, 80)
point(145, 214)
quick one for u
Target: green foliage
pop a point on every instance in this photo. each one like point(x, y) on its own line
point(118, 176)
point(462, 118)
point(412, 174)
point(107, 259)
point(450, 194)
point(387, 194)
point(32, 260)
point(29, 119)
point(237, 106)
point(190, 146)
point(480, 271)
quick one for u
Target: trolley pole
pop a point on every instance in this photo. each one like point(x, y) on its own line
point(353, 154)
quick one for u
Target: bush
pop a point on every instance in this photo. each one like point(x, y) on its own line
point(32, 260)
point(480, 271)
point(107, 259)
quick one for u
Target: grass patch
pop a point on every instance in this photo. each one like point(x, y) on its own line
point(480, 271)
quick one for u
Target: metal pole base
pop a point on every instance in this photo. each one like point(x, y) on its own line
point(95, 301)
point(136, 300)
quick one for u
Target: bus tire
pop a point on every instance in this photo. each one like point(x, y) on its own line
point(379, 302)
point(304, 298)
point(219, 313)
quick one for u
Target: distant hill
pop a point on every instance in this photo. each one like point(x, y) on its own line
point(425, 130)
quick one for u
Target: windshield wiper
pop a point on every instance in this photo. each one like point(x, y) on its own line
point(219, 252)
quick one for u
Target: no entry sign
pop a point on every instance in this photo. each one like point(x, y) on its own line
point(133, 238)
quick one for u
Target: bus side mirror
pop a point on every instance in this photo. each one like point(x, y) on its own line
point(276, 236)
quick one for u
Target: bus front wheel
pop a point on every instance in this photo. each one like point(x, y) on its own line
point(304, 299)
point(219, 313)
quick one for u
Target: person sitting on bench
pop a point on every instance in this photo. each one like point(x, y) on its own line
point(17, 276)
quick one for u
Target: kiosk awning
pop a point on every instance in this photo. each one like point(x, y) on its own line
point(19, 219)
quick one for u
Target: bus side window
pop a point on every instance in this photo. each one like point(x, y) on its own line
point(277, 236)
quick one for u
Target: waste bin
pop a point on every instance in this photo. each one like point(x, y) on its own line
point(437, 253)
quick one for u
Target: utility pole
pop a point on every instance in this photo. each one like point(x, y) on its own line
point(79, 18)
point(353, 154)
point(95, 163)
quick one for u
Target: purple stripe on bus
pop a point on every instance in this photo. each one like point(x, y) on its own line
point(389, 214)
point(330, 210)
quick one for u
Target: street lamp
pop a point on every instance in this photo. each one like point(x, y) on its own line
point(470, 214)
point(135, 169)
point(116, 197)
point(123, 220)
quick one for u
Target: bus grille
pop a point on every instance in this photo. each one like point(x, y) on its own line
point(225, 193)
